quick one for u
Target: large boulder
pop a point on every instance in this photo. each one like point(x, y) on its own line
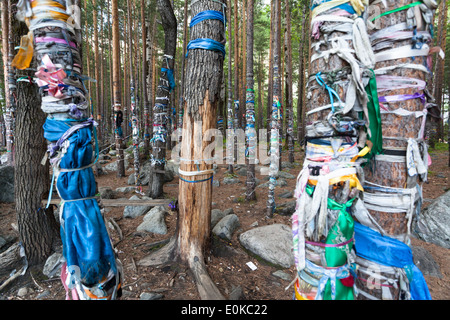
point(272, 243)
point(434, 223)
point(7, 184)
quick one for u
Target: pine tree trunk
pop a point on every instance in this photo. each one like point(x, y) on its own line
point(38, 228)
point(275, 155)
point(117, 89)
point(250, 113)
point(230, 110)
point(162, 99)
point(289, 92)
point(202, 98)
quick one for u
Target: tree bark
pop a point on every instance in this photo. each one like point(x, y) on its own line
point(289, 92)
point(162, 99)
point(193, 233)
point(117, 89)
point(250, 113)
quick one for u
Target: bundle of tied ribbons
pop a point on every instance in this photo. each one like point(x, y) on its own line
point(91, 270)
point(334, 236)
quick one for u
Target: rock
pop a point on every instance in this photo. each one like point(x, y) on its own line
point(150, 296)
point(289, 165)
point(286, 195)
point(44, 294)
point(106, 192)
point(113, 165)
point(173, 167)
point(272, 243)
point(282, 275)
point(7, 184)
point(216, 216)
point(434, 223)
point(3, 158)
point(135, 211)
point(125, 189)
point(53, 265)
point(216, 183)
point(22, 292)
point(242, 172)
point(236, 293)
point(154, 221)
point(226, 226)
point(168, 176)
point(228, 211)
point(228, 180)
point(286, 209)
point(285, 175)
point(425, 262)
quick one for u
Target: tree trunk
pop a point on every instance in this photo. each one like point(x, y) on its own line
point(144, 80)
point(10, 85)
point(289, 92)
point(133, 107)
point(275, 156)
point(38, 228)
point(192, 240)
point(162, 99)
point(97, 69)
point(390, 170)
point(252, 141)
point(230, 111)
point(117, 89)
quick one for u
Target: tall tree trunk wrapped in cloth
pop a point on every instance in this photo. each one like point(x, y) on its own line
point(91, 270)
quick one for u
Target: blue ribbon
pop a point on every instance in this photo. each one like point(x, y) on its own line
point(208, 15)
point(206, 44)
point(372, 246)
point(169, 73)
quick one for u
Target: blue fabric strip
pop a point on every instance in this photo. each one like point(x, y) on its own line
point(206, 44)
point(208, 15)
point(372, 246)
point(170, 77)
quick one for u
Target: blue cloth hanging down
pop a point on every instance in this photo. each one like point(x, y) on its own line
point(86, 243)
point(208, 15)
point(170, 77)
point(206, 44)
point(372, 246)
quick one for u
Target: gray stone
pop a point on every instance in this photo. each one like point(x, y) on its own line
point(216, 216)
point(226, 226)
point(7, 184)
point(216, 183)
point(150, 296)
point(112, 166)
point(285, 175)
point(135, 211)
point(52, 266)
point(154, 222)
point(228, 180)
point(286, 209)
point(22, 292)
point(282, 275)
point(425, 262)
point(106, 192)
point(242, 172)
point(236, 293)
point(42, 295)
point(173, 167)
point(434, 223)
point(272, 243)
point(125, 189)
point(286, 195)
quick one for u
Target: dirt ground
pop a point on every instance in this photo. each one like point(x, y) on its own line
point(227, 267)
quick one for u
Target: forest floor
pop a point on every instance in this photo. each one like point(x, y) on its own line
point(227, 268)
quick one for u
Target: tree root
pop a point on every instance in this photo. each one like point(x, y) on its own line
point(205, 286)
